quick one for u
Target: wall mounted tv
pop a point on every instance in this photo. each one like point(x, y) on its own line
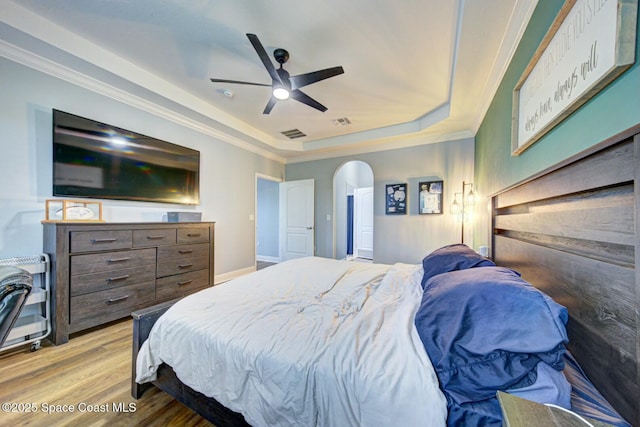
point(92, 159)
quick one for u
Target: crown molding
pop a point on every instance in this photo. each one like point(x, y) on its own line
point(44, 65)
point(379, 139)
point(396, 144)
point(521, 14)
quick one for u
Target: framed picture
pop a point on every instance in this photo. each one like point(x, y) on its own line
point(585, 49)
point(396, 199)
point(430, 197)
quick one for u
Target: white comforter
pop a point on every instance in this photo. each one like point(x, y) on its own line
point(308, 342)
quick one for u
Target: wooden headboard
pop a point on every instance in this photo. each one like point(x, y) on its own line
point(571, 231)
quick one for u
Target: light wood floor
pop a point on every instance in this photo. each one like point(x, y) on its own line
point(92, 369)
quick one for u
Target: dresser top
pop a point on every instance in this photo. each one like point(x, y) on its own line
point(94, 225)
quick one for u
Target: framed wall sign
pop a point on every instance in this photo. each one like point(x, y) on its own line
point(430, 197)
point(396, 199)
point(588, 45)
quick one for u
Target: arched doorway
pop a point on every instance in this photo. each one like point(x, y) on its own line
point(353, 211)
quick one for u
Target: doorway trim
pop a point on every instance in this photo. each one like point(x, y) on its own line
point(335, 217)
point(259, 176)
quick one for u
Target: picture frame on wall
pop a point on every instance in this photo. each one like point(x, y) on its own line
point(430, 197)
point(396, 199)
point(583, 51)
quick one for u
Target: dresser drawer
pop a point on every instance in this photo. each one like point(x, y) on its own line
point(86, 283)
point(179, 266)
point(97, 304)
point(193, 235)
point(162, 236)
point(180, 285)
point(183, 251)
point(89, 241)
point(104, 271)
point(109, 261)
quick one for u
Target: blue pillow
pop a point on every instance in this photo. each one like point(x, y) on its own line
point(486, 329)
point(451, 258)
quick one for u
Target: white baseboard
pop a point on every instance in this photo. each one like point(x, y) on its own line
point(267, 258)
point(225, 277)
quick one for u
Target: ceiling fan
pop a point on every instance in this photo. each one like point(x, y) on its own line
point(283, 85)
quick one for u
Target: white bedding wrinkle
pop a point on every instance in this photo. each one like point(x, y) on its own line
point(308, 342)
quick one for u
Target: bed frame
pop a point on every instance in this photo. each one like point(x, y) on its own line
point(167, 381)
point(571, 231)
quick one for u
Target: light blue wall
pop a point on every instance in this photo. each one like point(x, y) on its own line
point(613, 110)
point(27, 97)
point(268, 220)
point(397, 238)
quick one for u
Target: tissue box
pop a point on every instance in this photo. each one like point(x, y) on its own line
point(184, 216)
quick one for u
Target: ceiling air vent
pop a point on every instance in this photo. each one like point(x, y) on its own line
point(293, 133)
point(344, 121)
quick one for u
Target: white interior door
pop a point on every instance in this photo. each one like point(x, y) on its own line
point(363, 222)
point(297, 219)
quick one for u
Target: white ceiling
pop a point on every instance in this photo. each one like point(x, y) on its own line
point(416, 71)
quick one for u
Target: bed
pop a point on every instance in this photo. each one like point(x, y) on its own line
point(355, 355)
point(383, 344)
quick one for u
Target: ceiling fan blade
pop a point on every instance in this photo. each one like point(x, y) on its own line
point(264, 57)
point(270, 105)
point(306, 99)
point(302, 80)
point(238, 82)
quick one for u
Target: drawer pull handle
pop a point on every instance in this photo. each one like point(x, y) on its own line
point(105, 240)
point(186, 282)
point(115, 279)
point(119, 259)
point(116, 299)
point(193, 234)
point(185, 251)
point(155, 237)
point(185, 265)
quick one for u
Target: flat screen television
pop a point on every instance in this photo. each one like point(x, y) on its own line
point(96, 160)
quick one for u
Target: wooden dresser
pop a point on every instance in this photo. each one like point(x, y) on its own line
point(103, 271)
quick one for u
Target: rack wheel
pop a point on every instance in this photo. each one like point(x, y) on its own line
point(35, 346)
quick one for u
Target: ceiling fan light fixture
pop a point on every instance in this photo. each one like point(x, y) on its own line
point(283, 86)
point(280, 93)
